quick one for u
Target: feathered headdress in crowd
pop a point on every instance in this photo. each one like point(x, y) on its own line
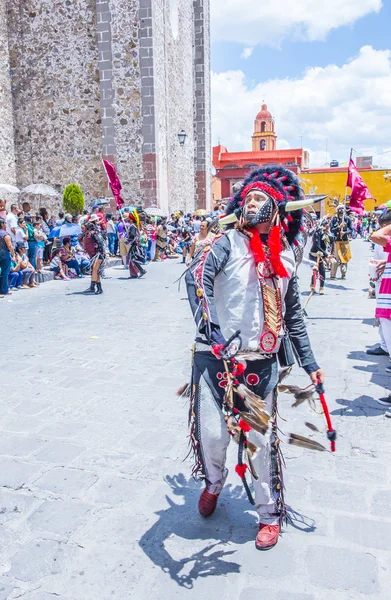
point(283, 187)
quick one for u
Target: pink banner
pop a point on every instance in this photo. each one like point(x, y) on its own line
point(114, 182)
point(359, 192)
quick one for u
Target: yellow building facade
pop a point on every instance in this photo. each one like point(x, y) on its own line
point(332, 181)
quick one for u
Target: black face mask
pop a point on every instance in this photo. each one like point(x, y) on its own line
point(263, 215)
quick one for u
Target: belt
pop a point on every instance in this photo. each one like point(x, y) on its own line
point(244, 354)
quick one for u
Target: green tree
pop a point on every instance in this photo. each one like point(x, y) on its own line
point(73, 199)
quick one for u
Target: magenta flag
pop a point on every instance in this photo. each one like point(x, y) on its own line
point(114, 182)
point(359, 192)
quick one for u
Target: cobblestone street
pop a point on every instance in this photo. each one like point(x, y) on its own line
point(96, 499)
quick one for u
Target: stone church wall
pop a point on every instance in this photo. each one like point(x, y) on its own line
point(112, 78)
point(7, 155)
point(56, 98)
point(174, 102)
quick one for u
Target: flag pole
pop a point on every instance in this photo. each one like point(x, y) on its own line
point(346, 187)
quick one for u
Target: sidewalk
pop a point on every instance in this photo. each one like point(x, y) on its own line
point(96, 499)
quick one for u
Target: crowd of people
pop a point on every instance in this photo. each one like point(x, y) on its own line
point(28, 246)
point(330, 242)
point(330, 251)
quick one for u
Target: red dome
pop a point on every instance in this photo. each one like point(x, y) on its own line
point(264, 113)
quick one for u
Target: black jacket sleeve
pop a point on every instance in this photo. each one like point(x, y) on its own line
point(334, 226)
point(200, 283)
point(297, 330)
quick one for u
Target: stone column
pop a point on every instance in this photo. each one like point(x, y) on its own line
point(148, 72)
point(7, 150)
point(125, 110)
point(202, 103)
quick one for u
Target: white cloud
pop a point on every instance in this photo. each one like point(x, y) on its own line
point(348, 105)
point(247, 52)
point(253, 22)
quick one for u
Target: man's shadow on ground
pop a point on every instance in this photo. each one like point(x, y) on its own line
point(366, 406)
point(183, 521)
point(363, 406)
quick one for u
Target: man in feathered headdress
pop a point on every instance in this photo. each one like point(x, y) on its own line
point(245, 281)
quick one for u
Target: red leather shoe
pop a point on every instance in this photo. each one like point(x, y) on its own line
point(267, 536)
point(207, 503)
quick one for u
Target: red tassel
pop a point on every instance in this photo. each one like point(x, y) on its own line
point(275, 248)
point(290, 218)
point(244, 426)
point(241, 470)
point(257, 247)
point(239, 370)
point(217, 350)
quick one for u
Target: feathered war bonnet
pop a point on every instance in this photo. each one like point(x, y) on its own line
point(283, 187)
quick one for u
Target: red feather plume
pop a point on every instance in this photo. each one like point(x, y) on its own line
point(275, 248)
point(257, 248)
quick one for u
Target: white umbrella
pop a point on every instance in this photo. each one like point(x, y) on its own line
point(11, 189)
point(40, 189)
point(155, 212)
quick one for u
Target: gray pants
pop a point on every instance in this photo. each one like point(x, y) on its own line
point(214, 438)
point(28, 276)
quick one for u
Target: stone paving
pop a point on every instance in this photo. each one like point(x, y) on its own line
point(96, 499)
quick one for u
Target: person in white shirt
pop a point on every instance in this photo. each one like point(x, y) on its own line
point(12, 223)
point(21, 234)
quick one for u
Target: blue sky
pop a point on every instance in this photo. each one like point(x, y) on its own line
point(325, 73)
point(294, 57)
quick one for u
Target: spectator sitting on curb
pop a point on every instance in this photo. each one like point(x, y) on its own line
point(15, 278)
point(25, 267)
point(67, 256)
point(57, 265)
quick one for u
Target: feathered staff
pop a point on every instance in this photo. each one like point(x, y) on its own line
point(239, 424)
point(301, 395)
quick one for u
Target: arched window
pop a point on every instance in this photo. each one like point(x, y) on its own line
point(263, 127)
point(263, 145)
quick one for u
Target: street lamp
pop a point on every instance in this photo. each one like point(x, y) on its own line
point(182, 135)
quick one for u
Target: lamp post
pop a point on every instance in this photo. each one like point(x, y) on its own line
point(182, 135)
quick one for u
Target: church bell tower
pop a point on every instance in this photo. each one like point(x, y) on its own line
point(264, 137)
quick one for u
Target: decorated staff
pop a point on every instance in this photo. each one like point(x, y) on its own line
point(245, 280)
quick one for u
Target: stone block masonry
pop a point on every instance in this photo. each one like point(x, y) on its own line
point(203, 159)
point(118, 79)
point(7, 150)
point(56, 96)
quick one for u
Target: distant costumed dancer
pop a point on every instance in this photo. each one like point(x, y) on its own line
point(135, 256)
point(95, 246)
point(244, 296)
